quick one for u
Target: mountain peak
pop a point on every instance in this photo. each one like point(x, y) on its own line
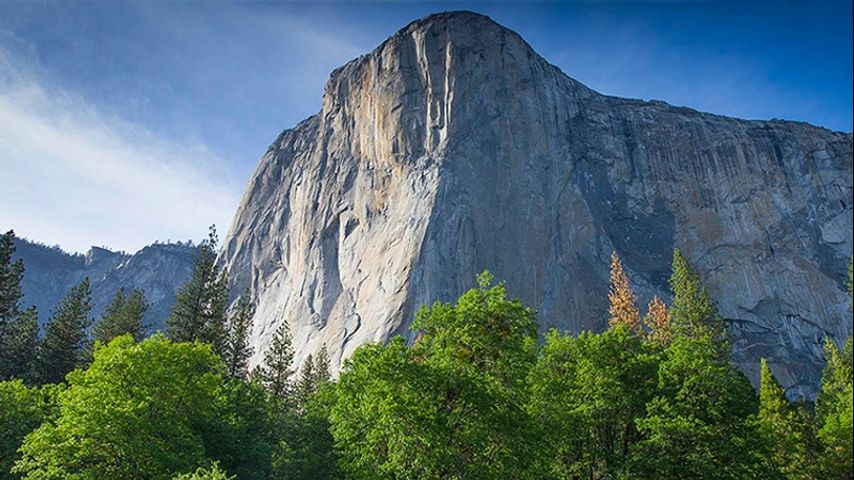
point(453, 148)
point(459, 19)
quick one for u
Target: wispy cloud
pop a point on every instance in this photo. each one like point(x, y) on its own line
point(74, 175)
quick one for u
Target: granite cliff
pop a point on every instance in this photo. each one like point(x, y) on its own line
point(453, 147)
point(158, 269)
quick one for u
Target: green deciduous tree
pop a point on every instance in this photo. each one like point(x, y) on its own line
point(150, 410)
point(451, 406)
point(587, 394)
point(700, 425)
point(65, 345)
point(123, 315)
point(211, 473)
point(201, 304)
point(22, 410)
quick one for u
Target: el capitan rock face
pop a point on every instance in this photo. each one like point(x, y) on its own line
point(453, 147)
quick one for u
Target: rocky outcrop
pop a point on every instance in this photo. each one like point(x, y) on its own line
point(159, 270)
point(453, 147)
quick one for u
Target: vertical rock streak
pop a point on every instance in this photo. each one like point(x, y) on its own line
point(453, 148)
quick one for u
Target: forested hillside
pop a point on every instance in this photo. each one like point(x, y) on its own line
point(477, 395)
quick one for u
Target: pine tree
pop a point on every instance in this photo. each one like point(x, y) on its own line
point(200, 307)
point(238, 349)
point(11, 274)
point(276, 371)
point(123, 315)
point(786, 429)
point(18, 329)
point(658, 321)
point(322, 367)
point(65, 344)
point(692, 311)
point(850, 281)
point(18, 353)
point(623, 309)
point(835, 411)
point(215, 331)
point(314, 373)
point(307, 383)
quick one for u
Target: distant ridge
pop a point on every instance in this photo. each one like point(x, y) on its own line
point(158, 269)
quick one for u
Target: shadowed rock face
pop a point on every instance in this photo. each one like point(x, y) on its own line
point(159, 270)
point(453, 147)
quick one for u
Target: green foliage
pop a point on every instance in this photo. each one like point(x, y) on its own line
point(211, 473)
point(123, 315)
point(693, 312)
point(11, 274)
point(484, 333)
point(587, 394)
point(834, 411)
point(452, 406)
point(305, 448)
point(850, 280)
point(200, 306)
point(65, 345)
point(19, 346)
point(18, 329)
point(276, 371)
point(787, 430)
point(313, 375)
point(149, 410)
point(237, 348)
point(700, 423)
point(22, 410)
point(473, 397)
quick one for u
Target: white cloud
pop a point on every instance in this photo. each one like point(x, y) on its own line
point(76, 176)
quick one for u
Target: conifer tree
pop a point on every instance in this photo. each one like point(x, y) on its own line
point(322, 367)
point(835, 411)
point(307, 383)
point(18, 329)
point(238, 350)
point(276, 371)
point(123, 315)
point(215, 330)
point(658, 321)
point(200, 307)
point(18, 349)
point(623, 309)
point(850, 280)
point(786, 429)
point(693, 313)
point(65, 344)
point(11, 274)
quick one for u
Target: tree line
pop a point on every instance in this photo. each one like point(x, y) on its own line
point(477, 395)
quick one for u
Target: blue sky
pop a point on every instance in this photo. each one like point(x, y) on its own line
point(122, 123)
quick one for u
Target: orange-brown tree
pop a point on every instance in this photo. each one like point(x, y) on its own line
point(623, 309)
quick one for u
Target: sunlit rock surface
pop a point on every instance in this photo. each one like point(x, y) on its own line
point(453, 148)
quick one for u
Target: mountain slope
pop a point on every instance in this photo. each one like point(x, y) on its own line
point(453, 147)
point(158, 269)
